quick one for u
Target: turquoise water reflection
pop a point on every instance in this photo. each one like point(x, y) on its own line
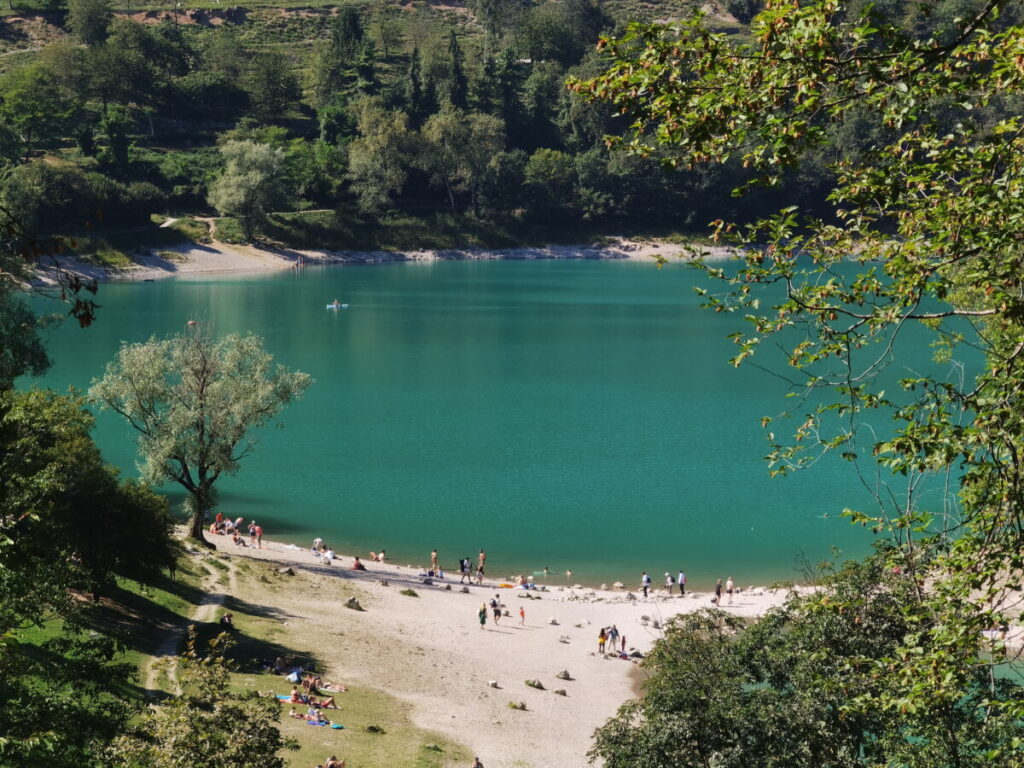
point(578, 415)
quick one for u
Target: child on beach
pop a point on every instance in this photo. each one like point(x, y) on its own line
point(522, 616)
point(482, 615)
point(602, 638)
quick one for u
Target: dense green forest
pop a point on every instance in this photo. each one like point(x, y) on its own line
point(327, 126)
point(332, 126)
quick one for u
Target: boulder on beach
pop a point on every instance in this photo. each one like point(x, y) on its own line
point(353, 604)
point(618, 585)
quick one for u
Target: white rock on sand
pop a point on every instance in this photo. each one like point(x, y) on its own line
point(431, 653)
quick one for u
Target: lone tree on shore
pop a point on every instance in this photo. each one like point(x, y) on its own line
point(193, 399)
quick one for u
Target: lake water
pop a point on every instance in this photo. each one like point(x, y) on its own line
point(565, 414)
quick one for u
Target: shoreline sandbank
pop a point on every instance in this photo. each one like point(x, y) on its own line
point(198, 260)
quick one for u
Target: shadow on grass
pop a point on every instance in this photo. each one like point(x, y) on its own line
point(251, 654)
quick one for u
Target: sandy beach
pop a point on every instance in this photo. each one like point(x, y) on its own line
point(430, 652)
point(197, 260)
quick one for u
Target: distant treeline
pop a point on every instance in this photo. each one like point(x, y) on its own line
point(371, 110)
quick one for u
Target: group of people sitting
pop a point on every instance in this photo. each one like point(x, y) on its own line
point(236, 530)
point(328, 556)
point(322, 551)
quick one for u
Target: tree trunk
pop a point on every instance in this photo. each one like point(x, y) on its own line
point(451, 197)
point(196, 524)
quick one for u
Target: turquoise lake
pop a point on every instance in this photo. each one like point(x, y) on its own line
point(566, 414)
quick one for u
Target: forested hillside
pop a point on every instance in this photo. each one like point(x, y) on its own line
point(324, 126)
point(373, 124)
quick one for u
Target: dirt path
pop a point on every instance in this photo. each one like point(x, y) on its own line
point(165, 658)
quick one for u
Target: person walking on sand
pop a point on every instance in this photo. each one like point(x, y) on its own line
point(602, 638)
point(682, 583)
point(481, 560)
point(645, 582)
point(717, 600)
point(252, 534)
point(482, 615)
point(669, 583)
point(729, 586)
point(433, 559)
point(522, 616)
point(259, 536)
point(496, 608)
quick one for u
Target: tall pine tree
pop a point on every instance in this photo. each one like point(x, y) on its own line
point(458, 85)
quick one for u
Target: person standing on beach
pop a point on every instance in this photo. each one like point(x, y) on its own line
point(522, 616)
point(482, 615)
point(496, 608)
point(682, 583)
point(602, 638)
point(718, 593)
point(252, 534)
point(613, 637)
point(482, 559)
point(729, 588)
point(669, 583)
point(259, 536)
point(480, 574)
point(433, 560)
point(645, 582)
point(623, 643)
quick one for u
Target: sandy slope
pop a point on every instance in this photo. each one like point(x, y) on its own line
point(431, 652)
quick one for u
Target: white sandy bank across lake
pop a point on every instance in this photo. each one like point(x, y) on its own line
point(430, 651)
point(196, 260)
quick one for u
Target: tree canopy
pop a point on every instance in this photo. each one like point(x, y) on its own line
point(194, 399)
point(919, 235)
point(797, 689)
